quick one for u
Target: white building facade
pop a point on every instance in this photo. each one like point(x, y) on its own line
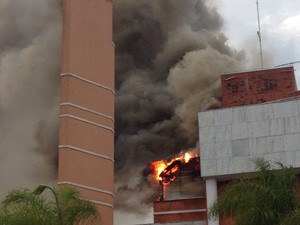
point(232, 138)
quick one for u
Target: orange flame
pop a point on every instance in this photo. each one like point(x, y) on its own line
point(187, 157)
point(161, 165)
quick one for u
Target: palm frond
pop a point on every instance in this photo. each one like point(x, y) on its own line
point(40, 189)
point(293, 218)
point(25, 207)
point(261, 200)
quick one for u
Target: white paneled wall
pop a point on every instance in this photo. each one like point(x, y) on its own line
point(231, 138)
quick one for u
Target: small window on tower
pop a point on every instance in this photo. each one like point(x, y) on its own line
point(270, 85)
point(233, 88)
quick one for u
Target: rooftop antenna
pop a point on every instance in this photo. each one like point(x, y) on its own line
point(259, 37)
point(288, 64)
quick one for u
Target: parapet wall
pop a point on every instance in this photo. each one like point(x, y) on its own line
point(257, 86)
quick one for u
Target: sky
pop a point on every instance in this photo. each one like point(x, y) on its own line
point(280, 30)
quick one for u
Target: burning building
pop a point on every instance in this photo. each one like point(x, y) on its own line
point(172, 174)
point(259, 119)
point(167, 70)
point(181, 194)
point(86, 139)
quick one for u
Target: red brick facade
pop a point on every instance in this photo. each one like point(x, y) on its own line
point(180, 210)
point(257, 86)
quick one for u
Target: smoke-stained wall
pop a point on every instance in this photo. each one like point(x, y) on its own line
point(169, 55)
point(29, 78)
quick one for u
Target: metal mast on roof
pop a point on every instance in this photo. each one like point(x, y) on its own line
point(288, 64)
point(259, 37)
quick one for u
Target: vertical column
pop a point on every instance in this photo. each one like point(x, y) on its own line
point(211, 197)
point(86, 139)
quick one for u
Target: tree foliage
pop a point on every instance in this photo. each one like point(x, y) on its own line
point(63, 207)
point(270, 198)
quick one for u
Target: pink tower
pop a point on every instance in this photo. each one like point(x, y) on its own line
point(86, 139)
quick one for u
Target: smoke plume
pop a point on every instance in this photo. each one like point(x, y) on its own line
point(169, 55)
point(29, 68)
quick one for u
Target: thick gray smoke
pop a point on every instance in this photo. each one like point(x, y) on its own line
point(29, 77)
point(169, 55)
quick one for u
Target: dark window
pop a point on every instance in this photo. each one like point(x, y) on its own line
point(233, 88)
point(267, 85)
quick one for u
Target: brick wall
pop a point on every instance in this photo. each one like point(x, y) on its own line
point(180, 210)
point(257, 86)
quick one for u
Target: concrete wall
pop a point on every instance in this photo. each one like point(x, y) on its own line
point(230, 138)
